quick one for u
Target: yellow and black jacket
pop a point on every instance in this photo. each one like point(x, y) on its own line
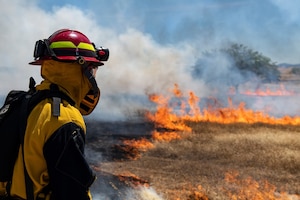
point(54, 146)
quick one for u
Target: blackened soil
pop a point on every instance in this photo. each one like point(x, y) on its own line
point(105, 138)
point(104, 143)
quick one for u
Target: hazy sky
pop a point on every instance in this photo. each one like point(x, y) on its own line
point(153, 43)
point(270, 26)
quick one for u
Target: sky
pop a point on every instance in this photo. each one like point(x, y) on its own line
point(153, 43)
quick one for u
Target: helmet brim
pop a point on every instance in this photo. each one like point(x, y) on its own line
point(68, 58)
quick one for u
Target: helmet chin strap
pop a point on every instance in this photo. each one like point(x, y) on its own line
point(89, 75)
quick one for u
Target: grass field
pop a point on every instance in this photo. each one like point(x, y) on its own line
point(218, 162)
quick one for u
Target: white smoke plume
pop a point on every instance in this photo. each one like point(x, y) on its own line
point(137, 63)
point(142, 193)
point(153, 44)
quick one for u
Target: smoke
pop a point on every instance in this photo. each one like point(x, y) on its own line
point(140, 66)
point(109, 187)
point(141, 193)
point(153, 44)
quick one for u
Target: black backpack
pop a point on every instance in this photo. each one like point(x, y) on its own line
point(13, 122)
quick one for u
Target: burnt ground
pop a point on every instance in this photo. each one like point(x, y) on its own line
point(106, 137)
point(104, 144)
point(195, 167)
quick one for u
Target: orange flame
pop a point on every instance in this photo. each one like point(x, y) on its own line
point(132, 180)
point(279, 92)
point(165, 116)
point(252, 190)
point(132, 148)
point(141, 144)
point(170, 122)
point(165, 136)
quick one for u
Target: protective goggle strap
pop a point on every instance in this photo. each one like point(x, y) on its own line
point(50, 51)
point(89, 75)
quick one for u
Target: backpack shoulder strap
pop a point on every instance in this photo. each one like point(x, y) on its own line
point(32, 98)
point(24, 116)
point(55, 94)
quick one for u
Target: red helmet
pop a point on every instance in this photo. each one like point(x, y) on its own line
point(68, 45)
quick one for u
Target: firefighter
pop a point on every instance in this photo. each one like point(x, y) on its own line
point(55, 134)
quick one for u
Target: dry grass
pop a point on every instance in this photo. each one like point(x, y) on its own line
point(224, 161)
point(196, 166)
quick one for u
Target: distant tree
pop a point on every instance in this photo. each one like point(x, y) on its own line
point(295, 70)
point(242, 64)
point(248, 60)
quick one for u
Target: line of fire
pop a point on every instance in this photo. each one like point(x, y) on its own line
point(170, 121)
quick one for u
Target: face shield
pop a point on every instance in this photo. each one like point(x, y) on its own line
point(78, 81)
point(91, 99)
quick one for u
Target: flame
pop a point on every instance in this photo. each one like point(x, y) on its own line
point(132, 148)
point(165, 136)
point(165, 117)
point(132, 180)
point(198, 194)
point(170, 123)
point(250, 189)
point(279, 92)
point(142, 144)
